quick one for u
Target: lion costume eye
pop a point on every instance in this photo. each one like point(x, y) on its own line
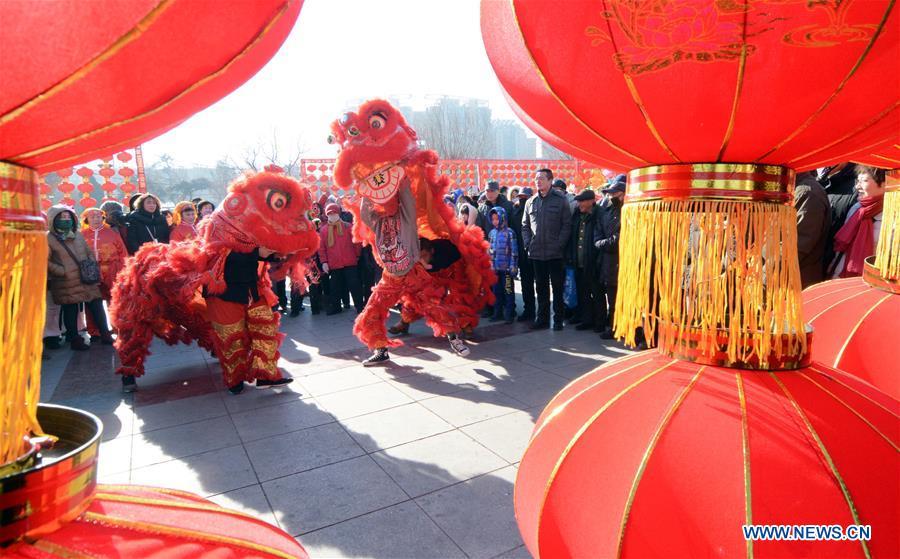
point(330, 139)
point(277, 200)
point(354, 131)
point(377, 121)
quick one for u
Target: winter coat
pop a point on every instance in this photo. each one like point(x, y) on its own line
point(182, 232)
point(143, 227)
point(484, 211)
point(109, 251)
point(515, 223)
point(344, 252)
point(589, 252)
point(609, 225)
point(547, 226)
point(504, 249)
point(841, 190)
point(63, 272)
point(471, 217)
point(813, 223)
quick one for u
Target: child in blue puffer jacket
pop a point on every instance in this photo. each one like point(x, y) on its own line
point(504, 257)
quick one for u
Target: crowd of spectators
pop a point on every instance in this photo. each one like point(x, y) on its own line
point(561, 248)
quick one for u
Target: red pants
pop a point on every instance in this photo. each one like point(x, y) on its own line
point(246, 340)
point(421, 295)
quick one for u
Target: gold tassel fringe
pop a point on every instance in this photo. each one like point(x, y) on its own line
point(887, 253)
point(23, 287)
point(711, 269)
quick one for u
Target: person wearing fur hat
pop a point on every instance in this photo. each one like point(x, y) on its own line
point(109, 252)
point(183, 218)
point(339, 256)
point(68, 250)
point(114, 215)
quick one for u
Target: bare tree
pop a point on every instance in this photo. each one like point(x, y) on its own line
point(456, 130)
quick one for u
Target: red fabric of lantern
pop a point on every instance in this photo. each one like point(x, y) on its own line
point(134, 521)
point(853, 323)
point(653, 457)
point(699, 81)
point(112, 74)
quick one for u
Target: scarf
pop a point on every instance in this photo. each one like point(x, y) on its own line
point(339, 225)
point(856, 239)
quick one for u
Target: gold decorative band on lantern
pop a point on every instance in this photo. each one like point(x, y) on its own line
point(712, 181)
point(873, 276)
point(686, 344)
point(20, 198)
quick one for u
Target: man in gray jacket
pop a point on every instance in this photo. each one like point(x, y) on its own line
point(546, 227)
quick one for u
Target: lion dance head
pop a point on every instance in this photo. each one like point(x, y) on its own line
point(267, 210)
point(372, 141)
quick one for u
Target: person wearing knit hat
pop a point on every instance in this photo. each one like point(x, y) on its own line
point(204, 208)
point(183, 219)
point(110, 253)
point(114, 214)
point(339, 256)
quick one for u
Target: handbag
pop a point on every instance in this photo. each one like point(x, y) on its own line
point(88, 269)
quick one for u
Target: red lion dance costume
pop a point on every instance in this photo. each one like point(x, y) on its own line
point(398, 182)
point(177, 291)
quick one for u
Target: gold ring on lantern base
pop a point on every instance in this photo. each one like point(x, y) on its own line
point(59, 485)
point(712, 181)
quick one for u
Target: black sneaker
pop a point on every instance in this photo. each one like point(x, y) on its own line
point(584, 326)
point(606, 334)
point(525, 318)
point(237, 388)
point(539, 326)
point(263, 383)
point(296, 311)
point(557, 326)
point(129, 384)
point(52, 342)
point(78, 344)
point(380, 356)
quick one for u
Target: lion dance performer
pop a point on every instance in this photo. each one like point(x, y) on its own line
point(215, 288)
point(399, 209)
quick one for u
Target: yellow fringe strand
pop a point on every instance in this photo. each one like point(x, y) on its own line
point(887, 253)
point(707, 267)
point(23, 287)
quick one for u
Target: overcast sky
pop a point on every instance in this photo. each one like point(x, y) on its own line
point(341, 51)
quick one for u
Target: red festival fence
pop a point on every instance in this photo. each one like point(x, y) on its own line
point(317, 173)
point(113, 175)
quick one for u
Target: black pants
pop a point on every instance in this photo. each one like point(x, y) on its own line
point(547, 273)
point(607, 304)
point(526, 275)
point(280, 288)
point(590, 293)
point(342, 281)
point(70, 318)
point(316, 296)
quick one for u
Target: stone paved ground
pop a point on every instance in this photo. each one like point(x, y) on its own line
point(417, 459)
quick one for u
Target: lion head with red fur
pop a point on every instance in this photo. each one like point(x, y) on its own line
point(372, 141)
point(267, 210)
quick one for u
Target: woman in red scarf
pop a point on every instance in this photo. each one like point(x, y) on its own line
point(856, 240)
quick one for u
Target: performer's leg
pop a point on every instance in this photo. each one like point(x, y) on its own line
point(369, 326)
point(262, 327)
point(231, 339)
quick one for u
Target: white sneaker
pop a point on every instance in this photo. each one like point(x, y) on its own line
point(459, 346)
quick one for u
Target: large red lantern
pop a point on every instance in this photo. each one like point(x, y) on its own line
point(699, 100)
point(654, 457)
point(855, 318)
point(82, 80)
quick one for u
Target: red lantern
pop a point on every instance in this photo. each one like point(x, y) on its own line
point(699, 81)
point(56, 108)
point(135, 521)
point(787, 447)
